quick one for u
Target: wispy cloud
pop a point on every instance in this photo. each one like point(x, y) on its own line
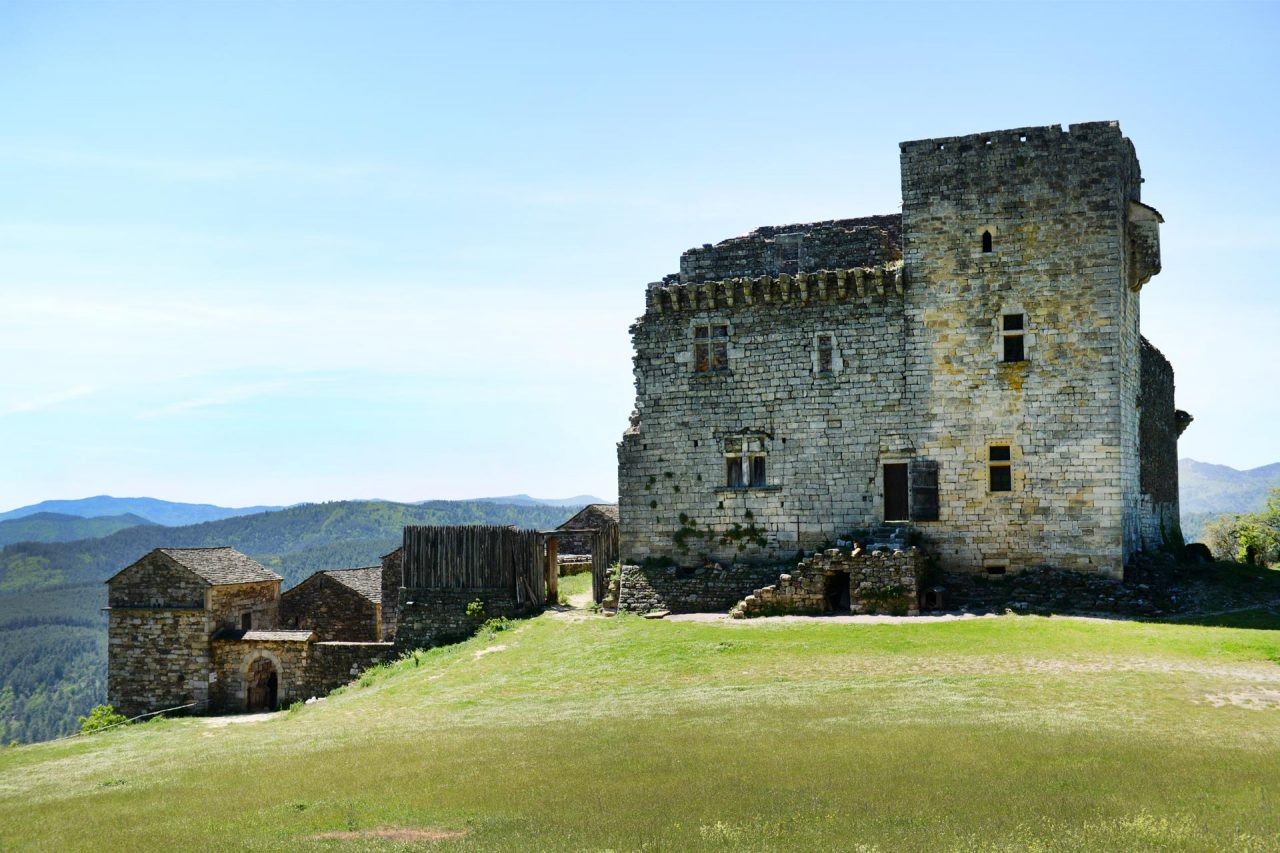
point(47, 401)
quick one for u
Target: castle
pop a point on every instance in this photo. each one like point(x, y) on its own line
point(969, 374)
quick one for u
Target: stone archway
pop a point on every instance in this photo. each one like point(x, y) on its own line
point(262, 685)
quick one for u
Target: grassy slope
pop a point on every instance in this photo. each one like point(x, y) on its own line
point(624, 733)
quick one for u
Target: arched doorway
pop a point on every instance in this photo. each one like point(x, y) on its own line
point(262, 684)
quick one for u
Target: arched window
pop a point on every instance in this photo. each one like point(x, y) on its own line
point(986, 241)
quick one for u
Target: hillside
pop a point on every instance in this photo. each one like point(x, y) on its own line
point(153, 510)
point(525, 500)
point(52, 630)
point(57, 527)
point(1206, 491)
point(573, 732)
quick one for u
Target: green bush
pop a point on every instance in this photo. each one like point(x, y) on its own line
point(101, 717)
point(475, 610)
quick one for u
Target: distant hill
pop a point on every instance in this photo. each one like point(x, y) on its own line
point(1203, 487)
point(52, 630)
point(525, 500)
point(156, 511)
point(57, 527)
point(1206, 491)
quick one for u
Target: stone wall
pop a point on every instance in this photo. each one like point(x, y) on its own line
point(778, 249)
point(232, 659)
point(1158, 443)
point(331, 609)
point(430, 617)
point(229, 603)
point(589, 520)
point(156, 658)
point(836, 581)
point(156, 581)
point(822, 430)
point(392, 581)
point(689, 590)
point(333, 664)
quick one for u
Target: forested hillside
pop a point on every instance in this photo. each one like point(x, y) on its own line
point(154, 510)
point(57, 527)
point(53, 631)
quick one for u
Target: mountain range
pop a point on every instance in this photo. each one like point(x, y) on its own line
point(151, 510)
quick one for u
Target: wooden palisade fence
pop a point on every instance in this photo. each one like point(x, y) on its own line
point(604, 553)
point(477, 557)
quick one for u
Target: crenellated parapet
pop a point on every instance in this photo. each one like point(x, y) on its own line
point(881, 282)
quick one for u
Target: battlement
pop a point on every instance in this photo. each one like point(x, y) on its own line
point(885, 282)
point(1086, 159)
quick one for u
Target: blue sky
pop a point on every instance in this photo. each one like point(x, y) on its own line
point(268, 253)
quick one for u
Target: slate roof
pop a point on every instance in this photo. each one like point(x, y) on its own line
point(220, 565)
point(276, 636)
point(608, 510)
point(366, 581)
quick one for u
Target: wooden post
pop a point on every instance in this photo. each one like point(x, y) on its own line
point(553, 571)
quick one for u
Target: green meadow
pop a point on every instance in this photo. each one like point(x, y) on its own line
point(571, 731)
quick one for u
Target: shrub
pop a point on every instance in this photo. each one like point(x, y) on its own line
point(475, 610)
point(101, 717)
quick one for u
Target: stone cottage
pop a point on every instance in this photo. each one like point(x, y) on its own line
point(589, 519)
point(969, 373)
point(204, 626)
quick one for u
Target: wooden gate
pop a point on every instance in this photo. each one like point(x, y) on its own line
point(604, 553)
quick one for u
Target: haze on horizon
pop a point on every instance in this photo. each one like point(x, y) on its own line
point(273, 253)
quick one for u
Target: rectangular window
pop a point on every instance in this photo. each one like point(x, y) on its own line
point(710, 348)
point(1001, 468)
point(246, 621)
point(826, 350)
point(744, 460)
point(1011, 334)
point(895, 492)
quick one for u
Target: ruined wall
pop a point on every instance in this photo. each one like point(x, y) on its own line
point(693, 590)
point(835, 581)
point(822, 426)
point(260, 599)
point(774, 250)
point(430, 617)
point(331, 609)
point(1158, 444)
point(1055, 204)
point(157, 658)
point(392, 581)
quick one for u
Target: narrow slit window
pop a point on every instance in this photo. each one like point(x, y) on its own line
point(826, 353)
point(1012, 330)
point(1001, 468)
point(986, 241)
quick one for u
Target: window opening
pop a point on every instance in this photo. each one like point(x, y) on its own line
point(246, 621)
point(986, 241)
point(744, 459)
point(1011, 334)
point(895, 492)
point(711, 348)
point(995, 570)
point(826, 350)
point(1001, 468)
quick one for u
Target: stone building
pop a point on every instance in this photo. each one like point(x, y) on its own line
point(203, 626)
point(589, 519)
point(970, 373)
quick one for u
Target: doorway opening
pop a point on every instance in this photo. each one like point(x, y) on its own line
point(836, 592)
point(895, 492)
point(263, 686)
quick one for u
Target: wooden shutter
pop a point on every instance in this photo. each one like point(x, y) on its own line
point(924, 490)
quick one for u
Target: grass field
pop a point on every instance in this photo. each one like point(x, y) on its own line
point(573, 732)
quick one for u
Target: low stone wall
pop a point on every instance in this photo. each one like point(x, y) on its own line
point(573, 564)
point(837, 581)
point(430, 617)
point(333, 664)
point(679, 590)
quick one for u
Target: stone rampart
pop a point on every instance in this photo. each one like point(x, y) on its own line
point(431, 617)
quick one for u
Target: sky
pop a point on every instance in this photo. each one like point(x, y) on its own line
point(271, 253)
